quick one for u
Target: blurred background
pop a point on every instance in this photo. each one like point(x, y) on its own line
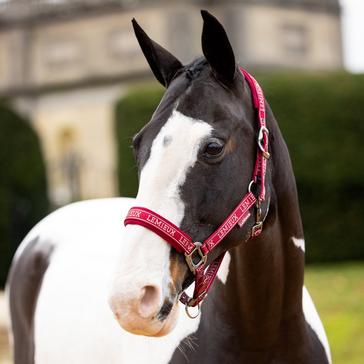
point(75, 88)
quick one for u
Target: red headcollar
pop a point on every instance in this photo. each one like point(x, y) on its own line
point(196, 252)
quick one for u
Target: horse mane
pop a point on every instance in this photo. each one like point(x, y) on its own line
point(194, 69)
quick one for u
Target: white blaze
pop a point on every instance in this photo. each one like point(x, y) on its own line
point(145, 256)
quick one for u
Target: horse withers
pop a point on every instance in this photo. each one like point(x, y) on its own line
point(84, 289)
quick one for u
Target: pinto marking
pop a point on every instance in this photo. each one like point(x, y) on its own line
point(300, 243)
point(313, 319)
point(223, 272)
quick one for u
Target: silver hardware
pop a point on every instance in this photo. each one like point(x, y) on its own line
point(263, 130)
point(189, 258)
point(187, 308)
point(250, 185)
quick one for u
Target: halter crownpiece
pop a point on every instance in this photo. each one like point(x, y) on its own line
point(196, 252)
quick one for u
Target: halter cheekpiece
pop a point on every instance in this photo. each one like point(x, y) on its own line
point(196, 252)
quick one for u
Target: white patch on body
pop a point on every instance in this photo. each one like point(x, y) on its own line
point(159, 190)
point(223, 272)
point(300, 243)
point(314, 321)
point(73, 321)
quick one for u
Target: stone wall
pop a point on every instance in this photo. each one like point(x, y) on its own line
point(65, 72)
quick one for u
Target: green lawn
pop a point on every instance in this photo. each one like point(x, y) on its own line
point(338, 293)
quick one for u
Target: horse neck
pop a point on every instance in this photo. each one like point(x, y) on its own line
point(264, 285)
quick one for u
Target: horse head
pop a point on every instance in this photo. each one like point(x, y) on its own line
point(195, 160)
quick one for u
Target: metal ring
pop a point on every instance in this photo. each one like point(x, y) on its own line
point(192, 316)
point(250, 185)
point(262, 130)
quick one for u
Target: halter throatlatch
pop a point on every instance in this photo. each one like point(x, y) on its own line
point(196, 252)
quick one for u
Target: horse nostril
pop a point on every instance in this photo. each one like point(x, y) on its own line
point(149, 302)
point(165, 310)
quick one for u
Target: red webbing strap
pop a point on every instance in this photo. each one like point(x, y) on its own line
point(162, 227)
point(183, 243)
point(239, 215)
point(203, 282)
point(204, 279)
point(259, 103)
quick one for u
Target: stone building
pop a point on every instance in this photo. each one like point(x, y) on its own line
point(65, 62)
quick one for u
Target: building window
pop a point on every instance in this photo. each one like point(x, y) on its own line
point(294, 39)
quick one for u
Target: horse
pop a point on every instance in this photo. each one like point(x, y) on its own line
point(85, 289)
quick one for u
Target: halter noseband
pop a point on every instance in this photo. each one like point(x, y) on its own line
point(196, 252)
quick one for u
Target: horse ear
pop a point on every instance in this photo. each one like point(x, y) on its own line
point(163, 64)
point(217, 48)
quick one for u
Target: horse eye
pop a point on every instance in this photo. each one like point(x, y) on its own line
point(214, 148)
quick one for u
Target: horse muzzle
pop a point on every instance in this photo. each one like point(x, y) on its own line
point(143, 310)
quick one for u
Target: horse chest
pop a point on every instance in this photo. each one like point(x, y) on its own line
point(215, 341)
point(205, 347)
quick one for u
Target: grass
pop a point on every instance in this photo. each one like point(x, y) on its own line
point(338, 293)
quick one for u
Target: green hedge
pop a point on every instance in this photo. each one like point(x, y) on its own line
point(23, 191)
point(132, 113)
point(321, 117)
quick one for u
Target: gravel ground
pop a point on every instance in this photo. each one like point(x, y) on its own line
point(4, 343)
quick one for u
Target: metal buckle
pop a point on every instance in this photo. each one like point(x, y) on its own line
point(263, 130)
point(189, 258)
